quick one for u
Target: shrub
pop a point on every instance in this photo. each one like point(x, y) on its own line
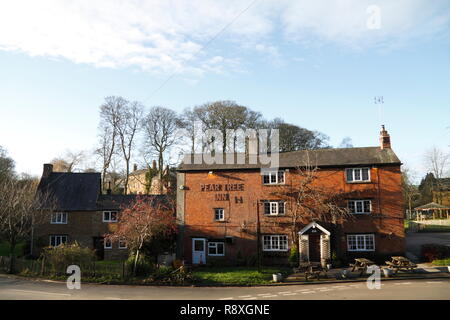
point(430, 252)
point(293, 256)
point(144, 266)
point(60, 257)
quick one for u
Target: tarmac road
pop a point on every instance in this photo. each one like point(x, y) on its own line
point(12, 288)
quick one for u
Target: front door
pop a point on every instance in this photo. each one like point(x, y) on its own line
point(198, 251)
point(99, 247)
point(314, 247)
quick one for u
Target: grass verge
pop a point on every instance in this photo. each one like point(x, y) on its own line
point(237, 275)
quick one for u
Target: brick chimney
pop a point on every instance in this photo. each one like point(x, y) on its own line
point(385, 139)
point(135, 167)
point(48, 169)
point(154, 165)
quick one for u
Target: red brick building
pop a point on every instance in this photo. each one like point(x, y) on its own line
point(228, 212)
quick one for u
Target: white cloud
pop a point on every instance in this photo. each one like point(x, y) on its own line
point(168, 35)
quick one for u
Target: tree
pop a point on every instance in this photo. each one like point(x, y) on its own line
point(6, 165)
point(189, 121)
point(21, 208)
point(144, 220)
point(409, 189)
point(307, 200)
point(294, 138)
point(130, 116)
point(437, 162)
point(346, 143)
point(109, 119)
point(227, 116)
point(70, 162)
point(160, 128)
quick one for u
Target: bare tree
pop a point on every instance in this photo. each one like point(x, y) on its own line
point(130, 117)
point(188, 122)
point(6, 165)
point(21, 208)
point(409, 189)
point(437, 162)
point(307, 200)
point(160, 128)
point(109, 119)
point(71, 161)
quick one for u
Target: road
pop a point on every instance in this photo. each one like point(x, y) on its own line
point(13, 288)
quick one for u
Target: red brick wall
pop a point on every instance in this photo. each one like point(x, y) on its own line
point(386, 219)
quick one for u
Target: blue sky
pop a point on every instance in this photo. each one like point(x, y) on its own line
point(315, 64)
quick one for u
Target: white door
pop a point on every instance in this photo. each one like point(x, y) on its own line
point(198, 251)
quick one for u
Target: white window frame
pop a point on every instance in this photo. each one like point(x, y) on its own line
point(357, 240)
point(215, 214)
point(58, 236)
point(275, 205)
point(109, 214)
point(360, 175)
point(362, 206)
point(214, 244)
point(275, 176)
point(59, 218)
point(105, 242)
point(275, 238)
point(121, 241)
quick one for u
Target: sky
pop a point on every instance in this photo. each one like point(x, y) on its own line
point(317, 64)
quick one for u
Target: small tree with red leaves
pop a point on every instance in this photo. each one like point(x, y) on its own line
point(142, 221)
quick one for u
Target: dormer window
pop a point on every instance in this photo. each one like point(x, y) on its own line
point(273, 177)
point(357, 174)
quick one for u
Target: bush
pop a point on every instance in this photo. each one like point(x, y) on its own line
point(144, 266)
point(64, 255)
point(293, 256)
point(430, 252)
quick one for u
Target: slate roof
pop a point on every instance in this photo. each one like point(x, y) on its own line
point(335, 157)
point(72, 191)
point(82, 192)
